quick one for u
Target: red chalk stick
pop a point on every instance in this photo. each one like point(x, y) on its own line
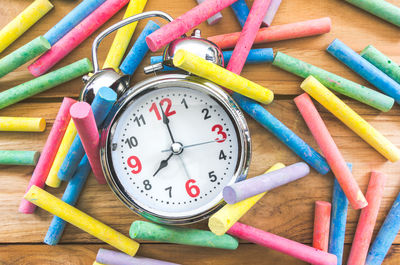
point(330, 151)
point(367, 219)
point(247, 36)
point(185, 22)
point(283, 245)
point(83, 118)
point(49, 152)
point(322, 218)
point(277, 33)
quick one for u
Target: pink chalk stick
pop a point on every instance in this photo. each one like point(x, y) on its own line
point(367, 219)
point(214, 19)
point(322, 218)
point(185, 22)
point(330, 151)
point(85, 124)
point(49, 152)
point(283, 245)
point(271, 12)
point(277, 33)
point(76, 36)
point(248, 35)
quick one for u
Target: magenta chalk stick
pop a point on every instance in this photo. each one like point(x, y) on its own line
point(367, 219)
point(49, 152)
point(322, 218)
point(283, 245)
point(76, 36)
point(330, 151)
point(185, 22)
point(83, 118)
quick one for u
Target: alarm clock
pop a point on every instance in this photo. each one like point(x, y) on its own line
point(174, 141)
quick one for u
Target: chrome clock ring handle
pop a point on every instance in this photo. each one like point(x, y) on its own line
point(121, 24)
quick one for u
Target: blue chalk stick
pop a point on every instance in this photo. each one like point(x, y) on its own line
point(338, 221)
point(365, 69)
point(283, 133)
point(101, 106)
point(241, 11)
point(386, 235)
point(139, 49)
point(70, 196)
point(79, 13)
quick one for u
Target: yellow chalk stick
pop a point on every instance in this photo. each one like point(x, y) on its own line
point(23, 22)
point(123, 36)
point(221, 221)
point(219, 75)
point(349, 117)
point(69, 136)
point(21, 124)
point(96, 263)
point(72, 215)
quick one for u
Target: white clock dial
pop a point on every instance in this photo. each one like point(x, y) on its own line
point(181, 173)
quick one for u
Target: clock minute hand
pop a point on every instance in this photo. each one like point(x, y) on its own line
point(191, 145)
point(163, 164)
point(166, 122)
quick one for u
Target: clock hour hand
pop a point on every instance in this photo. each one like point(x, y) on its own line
point(166, 122)
point(164, 163)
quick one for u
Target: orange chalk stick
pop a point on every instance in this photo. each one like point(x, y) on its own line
point(322, 218)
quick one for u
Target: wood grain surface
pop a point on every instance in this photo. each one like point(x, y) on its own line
point(287, 211)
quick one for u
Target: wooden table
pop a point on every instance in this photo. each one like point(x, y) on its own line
point(286, 211)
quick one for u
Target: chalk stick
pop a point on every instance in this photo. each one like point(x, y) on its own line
point(72, 215)
point(101, 105)
point(69, 136)
point(247, 36)
point(123, 36)
point(217, 74)
point(179, 235)
point(45, 82)
point(382, 62)
point(76, 36)
point(19, 158)
point(367, 219)
point(111, 257)
point(242, 190)
point(26, 19)
point(338, 220)
point(138, 50)
point(225, 217)
point(386, 235)
point(380, 8)
point(72, 19)
point(23, 54)
point(322, 217)
point(22, 124)
point(185, 22)
point(341, 85)
point(70, 196)
point(283, 133)
point(330, 151)
point(48, 153)
point(214, 19)
point(283, 245)
point(271, 12)
point(241, 11)
point(97, 263)
point(83, 117)
point(350, 118)
point(365, 69)
point(277, 33)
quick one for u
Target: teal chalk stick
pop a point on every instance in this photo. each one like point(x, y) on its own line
point(19, 158)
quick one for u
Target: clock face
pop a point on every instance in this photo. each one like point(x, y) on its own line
point(173, 150)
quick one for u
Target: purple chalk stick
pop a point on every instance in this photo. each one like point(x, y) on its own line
point(272, 9)
point(110, 257)
point(250, 187)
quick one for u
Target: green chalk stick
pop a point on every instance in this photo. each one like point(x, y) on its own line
point(177, 235)
point(341, 85)
point(382, 62)
point(23, 55)
point(379, 8)
point(45, 82)
point(19, 158)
